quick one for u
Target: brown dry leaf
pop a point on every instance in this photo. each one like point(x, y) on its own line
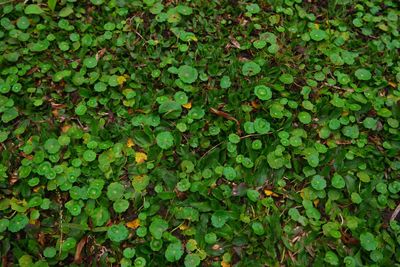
point(100, 54)
point(41, 238)
point(79, 248)
point(55, 112)
point(234, 42)
point(255, 104)
point(65, 128)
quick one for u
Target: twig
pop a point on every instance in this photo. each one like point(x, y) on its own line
point(395, 213)
point(60, 223)
point(211, 149)
point(6, 2)
point(139, 34)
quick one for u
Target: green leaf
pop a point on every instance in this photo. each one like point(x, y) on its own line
point(165, 140)
point(229, 173)
point(33, 9)
point(368, 241)
point(318, 182)
point(286, 78)
point(351, 131)
point(250, 68)
point(115, 191)
point(263, 92)
point(23, 23)
point(100, 216)
point(210, 238)
point(192, 260)
point(171, 109)
point(9, 115)
point(140, 182)
point(49, 252)
point(158, 227)
point(65, 12)
point(90, 62)
point(258, 228)
point(370, 123)
point(4, 224)
point(331, 258)
point(274, 161)
point(140, 262)
point(52, 4)
point(52, 146)
point(89, 155)
point(18, 222)
point(364, 177)
point(121, 205)
point(261, 126)
point(219, 218)
point(225, 82)
point(259, 44)
point(174, 251)
point(184, 10)
point(117, 233)
point(81, 109)
point(363, 74)
point(253, 195)
point(318, 35)
point(304, 117)
point(187, 74)
point(338, 181)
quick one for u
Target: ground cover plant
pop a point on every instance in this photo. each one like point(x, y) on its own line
point(199, 133)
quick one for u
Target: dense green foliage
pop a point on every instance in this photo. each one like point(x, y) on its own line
point(199, 133)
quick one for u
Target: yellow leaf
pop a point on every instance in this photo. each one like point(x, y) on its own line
point(392, 84)
point(183, 227)
point(133, 224)
point(140, 157)
point(316, 26)
point(121, 80)
point(130, 143)
point(316, 202)
point(225, 264)
point(270, 193)
point(37, 188)
point(187, 105)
